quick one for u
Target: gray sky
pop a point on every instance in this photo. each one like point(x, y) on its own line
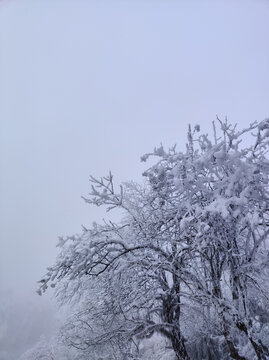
point(89, 86)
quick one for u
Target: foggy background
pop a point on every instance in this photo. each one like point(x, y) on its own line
point(90, 86)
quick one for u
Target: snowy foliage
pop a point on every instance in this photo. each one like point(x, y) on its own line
point(49, 349)
point(188, 261)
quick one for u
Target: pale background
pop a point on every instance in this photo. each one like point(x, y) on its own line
point(89, 86)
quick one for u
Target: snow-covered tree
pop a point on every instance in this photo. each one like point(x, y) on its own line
point(192, 244)
point(48, 349)
point(96, 326)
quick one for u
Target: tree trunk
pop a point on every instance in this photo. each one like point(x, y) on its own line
point(179, 348)
point(232, 350)
point(261, 350)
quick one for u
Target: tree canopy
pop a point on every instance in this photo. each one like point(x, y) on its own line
point(188, 261)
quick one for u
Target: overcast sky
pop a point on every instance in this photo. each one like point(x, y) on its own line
point(90, 86)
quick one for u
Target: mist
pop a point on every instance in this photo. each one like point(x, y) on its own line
point(87, 88)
